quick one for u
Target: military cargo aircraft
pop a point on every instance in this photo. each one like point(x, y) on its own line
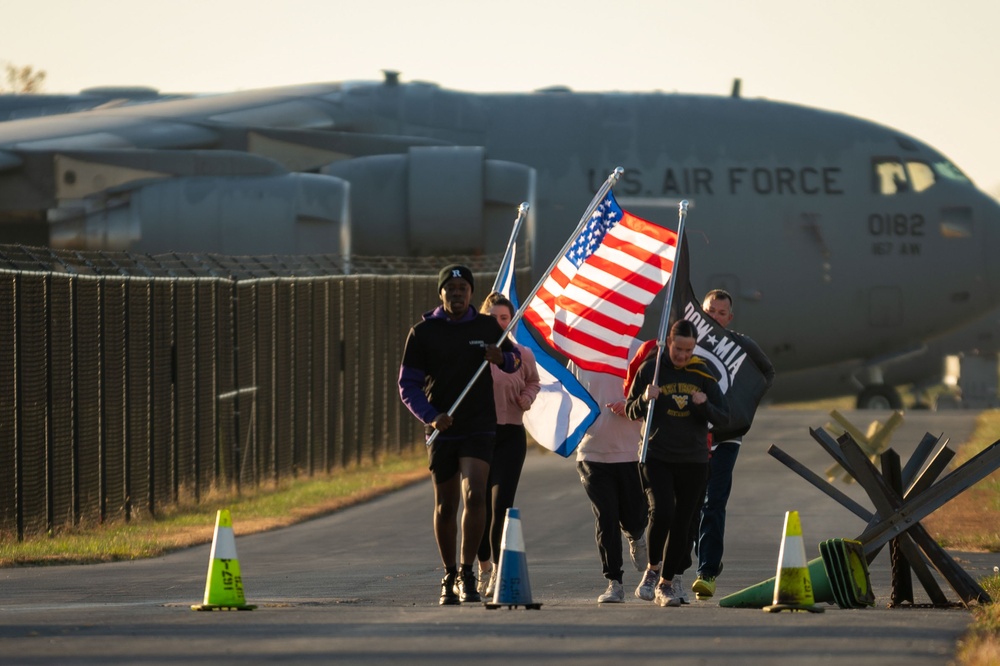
point(843, 241)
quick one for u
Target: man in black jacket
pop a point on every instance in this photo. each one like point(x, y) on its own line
point(442, 353)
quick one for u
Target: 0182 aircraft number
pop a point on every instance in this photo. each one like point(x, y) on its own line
point(898, 224)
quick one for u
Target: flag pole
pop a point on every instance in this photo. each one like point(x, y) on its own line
point(522, 213)
point(584, 219)
point(661, 337)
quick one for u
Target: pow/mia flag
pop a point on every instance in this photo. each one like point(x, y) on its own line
point(731, 356)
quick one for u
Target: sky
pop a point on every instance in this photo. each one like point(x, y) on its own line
point(925, 67)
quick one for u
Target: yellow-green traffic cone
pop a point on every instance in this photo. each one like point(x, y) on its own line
point(793, 586)
point(224, 587)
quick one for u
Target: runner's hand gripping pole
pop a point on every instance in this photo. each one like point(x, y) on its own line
point(661, 337)
point(522, 210)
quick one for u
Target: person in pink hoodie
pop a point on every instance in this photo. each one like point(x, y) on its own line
point(513, 394)
point(607, 460)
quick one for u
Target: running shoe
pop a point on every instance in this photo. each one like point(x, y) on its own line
point(492, 585)
point(484, 581)
point(678, 584)
point(665, 595)
point(448, 596)
point(703, 587)
point(615, 594)
point(465, 587)
point(647, 588)
point(638, 552)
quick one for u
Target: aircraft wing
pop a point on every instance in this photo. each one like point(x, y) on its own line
point(250, 172)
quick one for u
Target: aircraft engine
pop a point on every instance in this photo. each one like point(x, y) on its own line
point(283, 213)
point(433, 201)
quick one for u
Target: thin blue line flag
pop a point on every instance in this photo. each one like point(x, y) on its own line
point(563, 409)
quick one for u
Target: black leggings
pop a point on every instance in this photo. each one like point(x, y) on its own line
point(675, 491)
point(505, 472)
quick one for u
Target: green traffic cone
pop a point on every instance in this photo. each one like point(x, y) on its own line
point(762, 594)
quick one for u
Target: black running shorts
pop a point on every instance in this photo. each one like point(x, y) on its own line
point(443, 455)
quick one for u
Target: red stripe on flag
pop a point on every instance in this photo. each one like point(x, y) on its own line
point(602, 347)
point(623, 273)
point(645, 255)
point(646, 228)
point(602, 293)
point(535, 320)
point(596, 344)
point(608, 294)
point(545, 296)
point(595, 317)
point(596, 366)
point(559, 277)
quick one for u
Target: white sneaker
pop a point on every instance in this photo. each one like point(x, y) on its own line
point(647, 588)
point(492, 585)
point(483, 584)
point(665, 595)
point(679, 590)
point(615, 594)
point(638, 552)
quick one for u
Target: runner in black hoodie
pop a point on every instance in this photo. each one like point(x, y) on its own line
point(442, 353)
point(675, 473)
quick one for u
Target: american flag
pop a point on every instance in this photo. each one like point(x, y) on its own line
point(563, 409)
point(592, 305)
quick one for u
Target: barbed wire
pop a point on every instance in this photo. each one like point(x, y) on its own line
point(97, 263)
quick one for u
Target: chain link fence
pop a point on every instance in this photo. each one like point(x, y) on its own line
point(130, 382)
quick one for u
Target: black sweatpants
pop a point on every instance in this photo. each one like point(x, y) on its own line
point(616, 496)
point(675, 491)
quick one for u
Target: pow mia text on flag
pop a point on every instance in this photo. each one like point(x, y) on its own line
point(727, 353)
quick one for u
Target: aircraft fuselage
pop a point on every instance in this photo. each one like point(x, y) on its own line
point(839, 238)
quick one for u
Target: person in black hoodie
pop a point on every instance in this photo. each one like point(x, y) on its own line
point(442, 354)
point(675, 473)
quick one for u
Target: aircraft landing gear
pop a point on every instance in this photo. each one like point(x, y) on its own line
point(879, 396)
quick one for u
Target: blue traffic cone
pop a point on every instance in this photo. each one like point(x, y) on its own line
point(513, 587)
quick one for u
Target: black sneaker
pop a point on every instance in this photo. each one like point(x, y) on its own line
point(448, 596)
point(465, 586)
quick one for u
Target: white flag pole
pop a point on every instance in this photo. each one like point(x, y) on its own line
point(661, 337)
point(584, 219)
point(522, 213)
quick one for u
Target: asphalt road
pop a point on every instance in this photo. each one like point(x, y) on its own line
point(362, 586)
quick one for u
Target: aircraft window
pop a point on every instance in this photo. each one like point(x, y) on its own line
point(893, 176)
point(890, 177)
point(948, 170)
point(921, 175)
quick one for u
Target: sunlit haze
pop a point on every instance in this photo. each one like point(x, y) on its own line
point(925, 67)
